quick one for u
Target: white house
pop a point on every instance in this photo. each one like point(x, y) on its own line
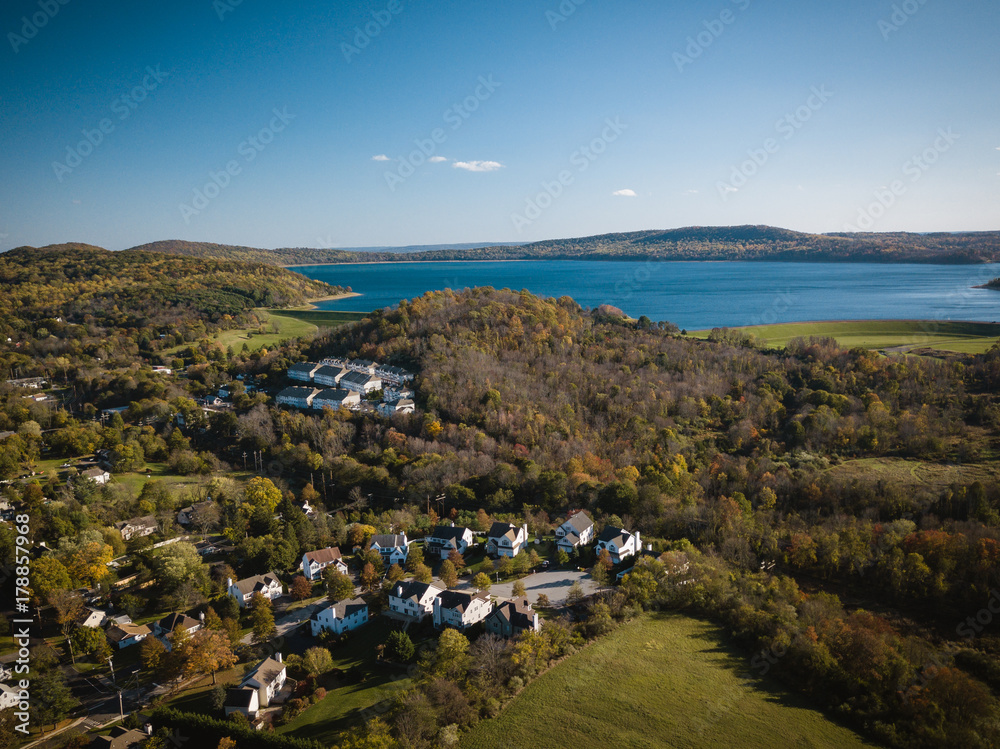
point(578, 530)
point(341, 617)
point(300, 397)
point(360, 382)
point(397, 406)
point(396, 375)
point(504, 539)
point(8, 697)
point(243, 591)
point(92, 618)
point(619, 543)
point(447, 538)
point(268, 679)
point(365, 366)
point(126, 635)
point(166, 628)
point(137, 527)
point(511, 618)
point(329, 376)
point(244, 700)
point(97, 475)
point(335, 399)
point(413, 599)
point(314, 562)
point(188, 515)
point(303, 371)
point(394, 548)
point(458, 609)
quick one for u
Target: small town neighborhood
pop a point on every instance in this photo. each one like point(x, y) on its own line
point(354, 384)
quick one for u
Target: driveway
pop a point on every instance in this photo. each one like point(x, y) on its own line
point(553, 583)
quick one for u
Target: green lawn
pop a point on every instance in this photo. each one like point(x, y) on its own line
point(343, 706)
point(904, 335)
point(660, 681)
point(157, 472)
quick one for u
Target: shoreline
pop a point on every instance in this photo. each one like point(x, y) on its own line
point(421, 262)
point(930, 321)
point(311, 304)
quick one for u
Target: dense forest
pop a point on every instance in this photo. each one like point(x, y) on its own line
point(693, 243)
point(60, 300)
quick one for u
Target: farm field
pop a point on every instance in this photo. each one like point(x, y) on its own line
point(913, 474)
point(897, 335)
point(660, 681)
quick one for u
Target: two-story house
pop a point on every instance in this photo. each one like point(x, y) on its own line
point(447, 538)
point(268, 585)
point(299, 397)
point(458, 609)
point(267, 678)
point(413, 600)
point(511, 618)
point(505, 539)
point(341, 617)
point(126, 635)
point(166, 628)
point(394, 548)
point(576, 531)
point(314, 562)
point(619, 543)
point(336, 399)
point(137, 527)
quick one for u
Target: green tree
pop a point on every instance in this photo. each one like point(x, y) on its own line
point(451, 656)
point(51, 699)
point(422, 573)
point(414, 557)
point(152, 653)
point(482, 582)
point(317, 661)
point(448, 574)
point(338, 585)
point(399, 646)
point(262, 618)
point(260, 494)
point(518, 591)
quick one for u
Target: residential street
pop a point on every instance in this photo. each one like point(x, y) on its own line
point(553, 583)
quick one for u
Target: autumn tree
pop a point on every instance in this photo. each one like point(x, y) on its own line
point(448, 574)
point(301, 588)
point(262, 618)
point(482, 582)
point(338, 585)
point(369, 577)
point(208, 651)
point(317, 661)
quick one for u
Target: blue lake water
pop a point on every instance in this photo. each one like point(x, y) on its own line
point(696, 295)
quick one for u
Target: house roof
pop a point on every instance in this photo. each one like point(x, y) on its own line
point(257, 582)
point(329, 370)
point(148, 521)
point(499, 530)
point(305, 367)
point(358, 378)
point(579, 522)
point(324, 556)
point(389, 541)
point(337, 395)
point(413, 589)
point(448, 532)
point(266, 672)
point(296, 391)
point(240, 696)
point(616, 535)
point(119, 632)
point(92, 472)
point(344, 609)
point(518, 612)
point(173, 621)
point(459, 600)
point(120, 738)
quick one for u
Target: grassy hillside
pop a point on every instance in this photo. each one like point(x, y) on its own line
point(661, 681)
point(690, 243)
point(897, 335)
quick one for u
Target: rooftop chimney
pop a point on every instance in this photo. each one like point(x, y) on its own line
point(277, 657)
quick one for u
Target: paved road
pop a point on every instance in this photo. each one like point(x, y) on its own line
point(553, 583)
point(290, 621)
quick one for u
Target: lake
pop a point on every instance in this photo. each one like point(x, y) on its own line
point(696, 295)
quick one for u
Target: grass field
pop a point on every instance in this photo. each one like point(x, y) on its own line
point(913, 474)
point(343, 706)
point(660, 681)
point(898, 335)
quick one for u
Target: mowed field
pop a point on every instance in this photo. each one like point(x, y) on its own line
point(897, 335)
point(663, 680)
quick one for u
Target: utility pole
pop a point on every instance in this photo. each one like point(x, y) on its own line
point(244, 460)
point(121, 708)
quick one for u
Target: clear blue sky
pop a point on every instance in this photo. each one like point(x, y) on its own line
point(535, 86)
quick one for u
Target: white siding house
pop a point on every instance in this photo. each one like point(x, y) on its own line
point(335, 399)
point(619, 543)
point(455, 608)
point(446, 538)
point(578, 530)
point(299, 397)
point(329, 376)
point(412, 599)
point(303, 371)
point(341, 617)
point(394, 548)
point(504, 539)
point(243, 591)
point(314, 562)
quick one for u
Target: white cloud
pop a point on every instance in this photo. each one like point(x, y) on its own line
point(381, 157)
point(478, 166)
point(436, 159)
point(625, 193)
point(692, 192)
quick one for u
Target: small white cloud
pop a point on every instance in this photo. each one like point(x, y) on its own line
point(380, 157)
point(692, 192)
point(726, 189)
point(625, 193)
point(436, 159)
point(478, 166)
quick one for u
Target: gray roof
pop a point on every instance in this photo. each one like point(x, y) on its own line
point(389, 541)
point(346, 608)
point(459, 600)
point(296, 391)
point(448, 532)
point(266, 672)
point(239, 696)
point(499, 530)
point(305, 367)
point(335, 394)
point(579, 522)
point(412, 589)
point(617, 535)
point(328, 370)
point(518, 612)
point(257, 582)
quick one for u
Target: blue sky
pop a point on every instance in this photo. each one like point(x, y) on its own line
point(263, 124)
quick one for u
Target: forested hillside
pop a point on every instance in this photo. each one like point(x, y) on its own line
point(692, 243)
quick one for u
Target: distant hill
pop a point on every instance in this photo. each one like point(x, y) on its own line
point(718, 243)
